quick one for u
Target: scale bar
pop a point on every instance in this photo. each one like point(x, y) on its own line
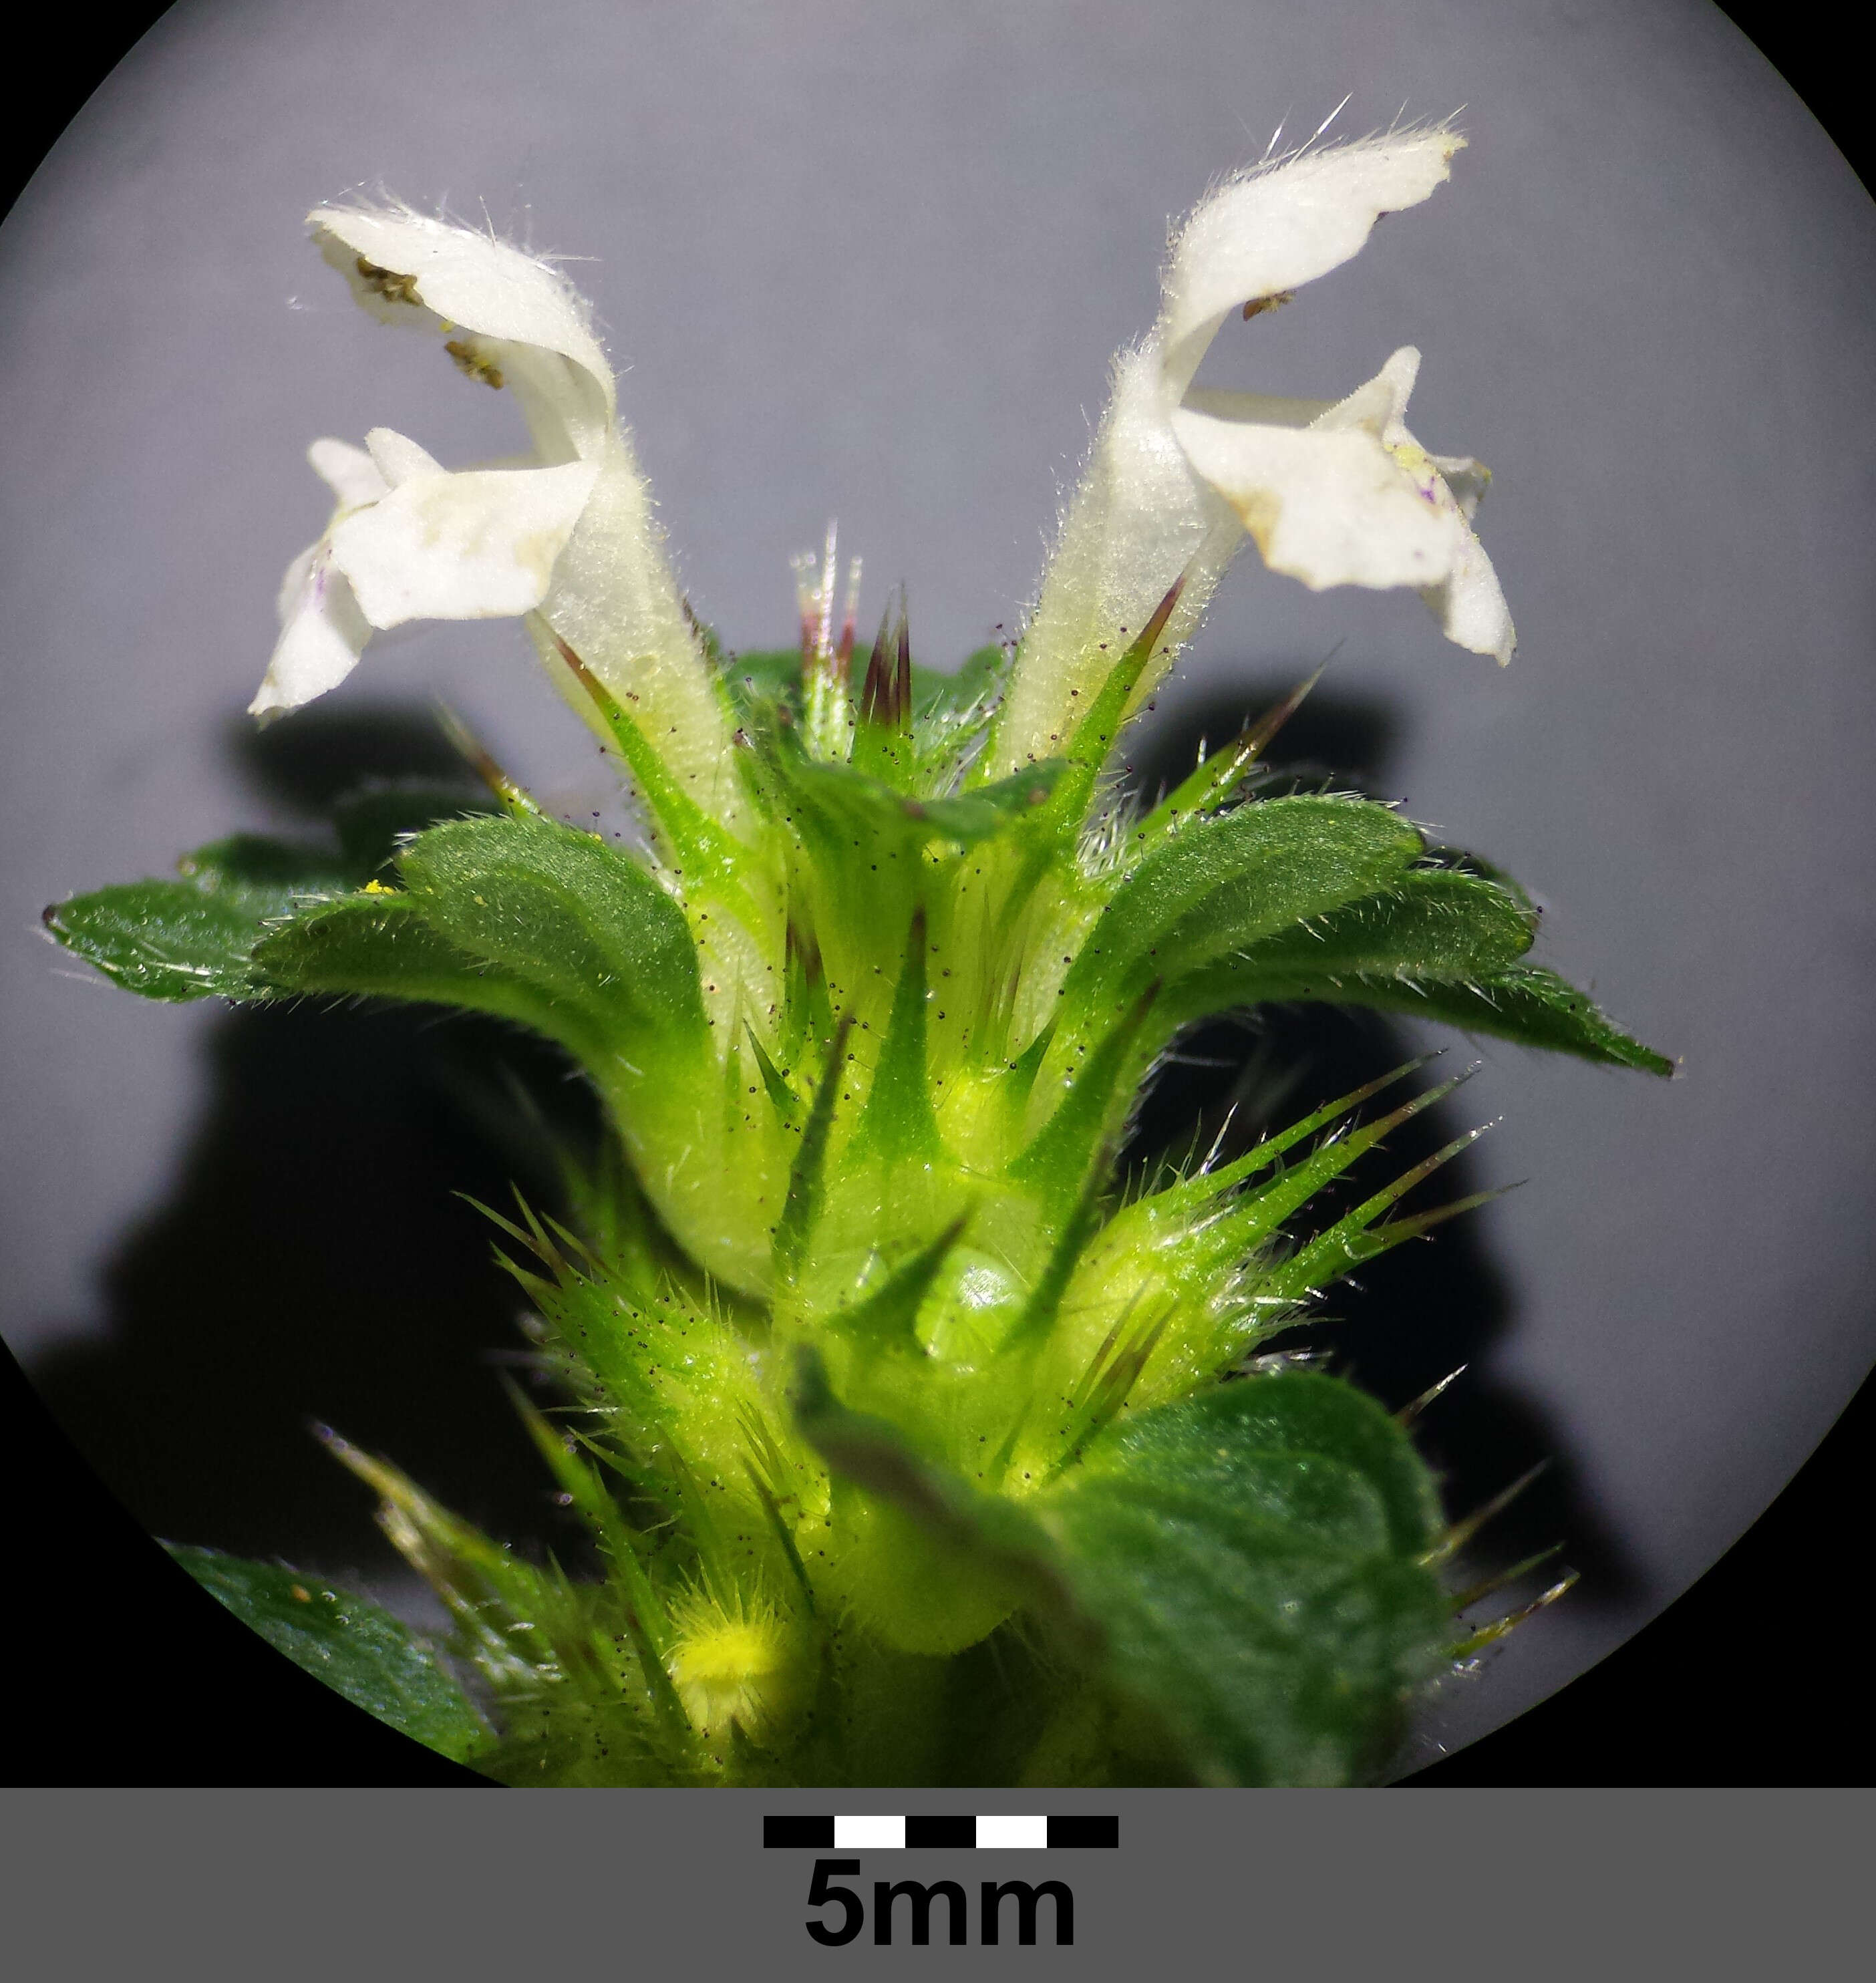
point(993, 1831)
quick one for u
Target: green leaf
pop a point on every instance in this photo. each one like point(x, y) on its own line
point(383, 946)
point(843, 812)
point(1226, 883)
point(851, 825)
point(976, 815)
point(561, 912)
point(870, 847)
point(1441, 943)
point(1432, 924)
point(521, 918)
point(1459, 861)
point(193, 938)
point(160, 939)
point(355, 1646)
point(1527, 1003)
point(1252, 1557)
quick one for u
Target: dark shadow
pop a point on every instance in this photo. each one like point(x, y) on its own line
point(305, 765)
point(314, 1259)
point(1417, 1314)
point(1341, 740)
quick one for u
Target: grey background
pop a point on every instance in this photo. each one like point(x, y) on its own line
point(871, 260)
point(1304, 1884)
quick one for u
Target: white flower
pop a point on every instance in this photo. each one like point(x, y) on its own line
point(1332, 492)
point(568, 538)
point(323, 632)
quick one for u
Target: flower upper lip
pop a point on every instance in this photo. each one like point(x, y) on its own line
point(406, 268)
point(1271, 230)
point(1332, 491)
point(565, 538)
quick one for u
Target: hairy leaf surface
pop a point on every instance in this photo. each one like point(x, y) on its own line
point(1228, 882)
point(1252, 1557)
point(1526, 1004)
point(566, 915)
point(193, 937)
point(355, 1646)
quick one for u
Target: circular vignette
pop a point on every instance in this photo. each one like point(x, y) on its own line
point(1654, 229)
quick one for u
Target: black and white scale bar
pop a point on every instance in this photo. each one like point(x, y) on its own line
point(999, 1831)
